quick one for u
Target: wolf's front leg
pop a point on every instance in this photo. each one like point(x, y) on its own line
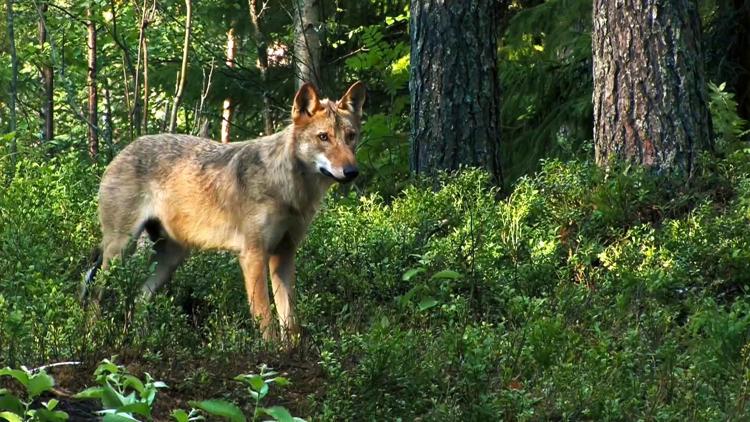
point(281, 265)
point(253, 262)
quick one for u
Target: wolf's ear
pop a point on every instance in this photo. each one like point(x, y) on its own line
point(354, 98)
point(306, 103)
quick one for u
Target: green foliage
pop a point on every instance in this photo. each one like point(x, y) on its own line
point(546, 81)
point(122, 395)
point(726, 123)
point(583, 294)
point(125, 397)
point(34, 383)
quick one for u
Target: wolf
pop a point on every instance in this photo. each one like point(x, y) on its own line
point(256, 198)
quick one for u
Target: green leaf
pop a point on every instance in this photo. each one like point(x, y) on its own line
point(427, 303)
point(160, 384)
point(111, 399)
point(180, 415)
point(10, 402)
point(18, 374)
point(118, 417)
point(139, 408)
point(280, 381)
point(256, 382)
point(46, 415)
point(278, 413)
point(106, 367)
point(411, 273)
point(446, 275)
point(263, 391)
point(50, 405)
point(40, 383)
point(134, 383)
point(220, 408)
point(90, 393)
point(10, 417)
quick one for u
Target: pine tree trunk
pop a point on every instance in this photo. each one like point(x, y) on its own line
point(455, 95)
point(649, 92)
point(48, 81)
point(183, 69)
point(227, 112)
point(93, 100)
point(307, 42)
point(262, 65)
point(13, 79)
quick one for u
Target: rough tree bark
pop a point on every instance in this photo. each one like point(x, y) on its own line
point(262, 64)
point(13, 79)
point(48, 81)
point(649, 91)
point(307, 42)
point(183, 68)
point(455, 95)
point(91, 80)
point(227, 112)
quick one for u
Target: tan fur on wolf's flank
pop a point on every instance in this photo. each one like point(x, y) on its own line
point(256, 198)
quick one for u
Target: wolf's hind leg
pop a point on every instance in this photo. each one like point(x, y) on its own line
point(113, 244)
point(168, 255)
point(88, 279)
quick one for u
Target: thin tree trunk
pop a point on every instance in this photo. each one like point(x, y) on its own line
point(455, 94)
point(48, 81)
point(203, 124)
point(108, 126)
point(146, 91)
point(183, 68)
point(13, 81)
point(227, 112)
point(307, 42)
point(93, 100)
point(649, 90)
point(137, 110)
point(128, 69)
point(262, 64)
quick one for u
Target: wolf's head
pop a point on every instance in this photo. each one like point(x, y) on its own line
point(326, 132)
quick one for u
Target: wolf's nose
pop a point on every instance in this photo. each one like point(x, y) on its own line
point(350, 172)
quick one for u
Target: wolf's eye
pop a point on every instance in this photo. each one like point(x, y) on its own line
point(323, 136)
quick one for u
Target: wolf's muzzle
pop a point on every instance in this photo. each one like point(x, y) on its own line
point(350, 173)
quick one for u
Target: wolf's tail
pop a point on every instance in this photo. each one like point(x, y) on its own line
point(88, 279)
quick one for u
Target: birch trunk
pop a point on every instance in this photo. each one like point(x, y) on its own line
point(307, 42)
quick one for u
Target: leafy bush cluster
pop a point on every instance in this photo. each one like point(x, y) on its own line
point(127, 398)
point(581, 294)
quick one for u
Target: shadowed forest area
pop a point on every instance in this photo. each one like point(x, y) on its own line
point(551, 219)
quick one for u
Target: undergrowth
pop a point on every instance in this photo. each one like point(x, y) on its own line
point(583, 294)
